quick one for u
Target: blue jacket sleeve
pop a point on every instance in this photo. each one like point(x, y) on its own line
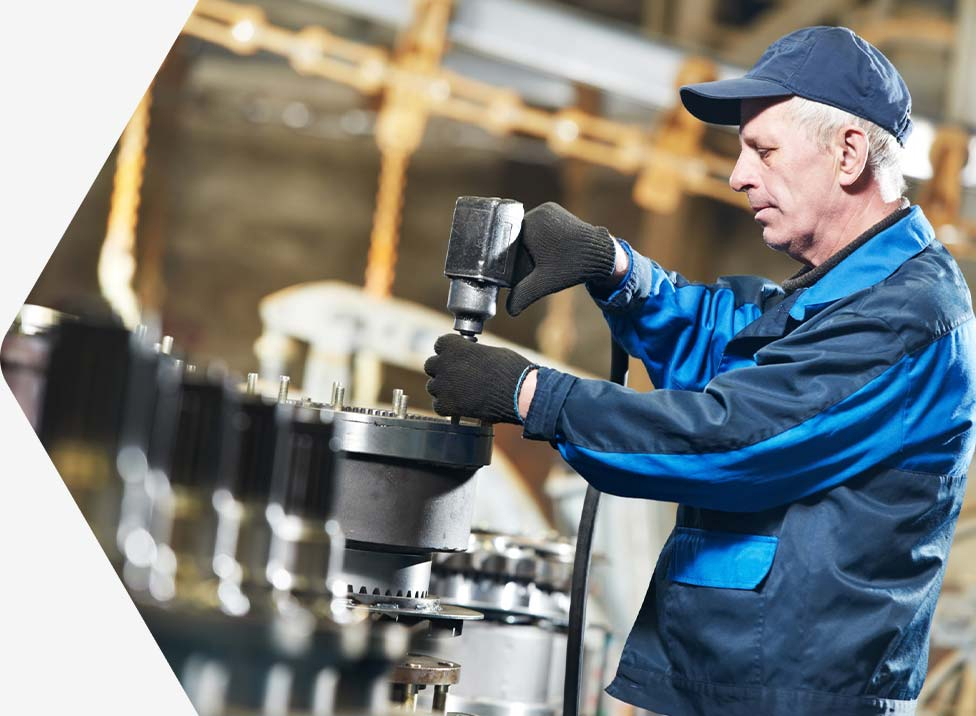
point(679, 329)
point(821, 405)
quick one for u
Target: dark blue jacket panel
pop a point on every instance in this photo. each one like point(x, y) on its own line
point(818, 453)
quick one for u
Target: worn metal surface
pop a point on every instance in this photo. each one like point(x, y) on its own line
point(404, 506)
point(426, 670)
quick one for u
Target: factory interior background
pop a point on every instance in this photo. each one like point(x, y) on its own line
point(281, 201)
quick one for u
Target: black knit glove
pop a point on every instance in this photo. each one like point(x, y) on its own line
point(474, 380)
point(558, 250)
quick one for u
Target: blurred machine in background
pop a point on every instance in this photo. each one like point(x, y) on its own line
point(292, 556)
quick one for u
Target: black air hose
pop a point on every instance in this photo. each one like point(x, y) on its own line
point(581, 568)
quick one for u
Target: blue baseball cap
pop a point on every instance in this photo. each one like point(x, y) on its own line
point(830, 65)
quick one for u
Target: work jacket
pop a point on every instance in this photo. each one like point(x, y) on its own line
point(817, 443)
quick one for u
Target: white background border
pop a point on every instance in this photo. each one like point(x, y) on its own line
point(71, 74)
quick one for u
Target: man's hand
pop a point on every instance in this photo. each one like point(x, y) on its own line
point(475, 381)
point(558, 250)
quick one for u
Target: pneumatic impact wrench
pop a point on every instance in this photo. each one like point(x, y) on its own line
point(483, 256)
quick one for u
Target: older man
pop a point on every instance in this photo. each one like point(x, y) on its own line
point(815, 434)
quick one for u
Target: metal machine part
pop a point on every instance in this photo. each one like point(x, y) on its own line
point(189, 442)
point(481, 257)
point(24, 357)
point(508, 668)
point(514, 660)
point(148, 367)
point(281, 656)
point(306, 543)
point(407, 484)
point(276, 640)
point(243, 538)
point(270, 636)
point(81, 412)
point(388, 574)
point(509, 574)
point(404, 490)
point(418, 672)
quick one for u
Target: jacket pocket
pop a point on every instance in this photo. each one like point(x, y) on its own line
point(715, 604)
point(722, 560)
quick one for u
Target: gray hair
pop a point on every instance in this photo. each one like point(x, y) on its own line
point(884, 152)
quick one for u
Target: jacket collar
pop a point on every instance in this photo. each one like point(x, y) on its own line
point(869, 265)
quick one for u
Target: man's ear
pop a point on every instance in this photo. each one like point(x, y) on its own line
point(852, 151)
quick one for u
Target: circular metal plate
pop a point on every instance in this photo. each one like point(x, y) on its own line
point(420, 669)
point(413, 609)
point(413, 438)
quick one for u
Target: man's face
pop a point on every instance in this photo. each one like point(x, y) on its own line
point(789, 178)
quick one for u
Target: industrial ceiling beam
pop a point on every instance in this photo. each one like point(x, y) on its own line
point(748, 44)
point(535, 35)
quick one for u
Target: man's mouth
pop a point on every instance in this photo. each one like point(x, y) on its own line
point(759, 209)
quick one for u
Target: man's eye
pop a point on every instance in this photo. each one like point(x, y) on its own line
point(762, 152)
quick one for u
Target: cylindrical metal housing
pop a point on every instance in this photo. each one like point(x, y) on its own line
point(406, 484)
point(81, 417)
point(243, 533)
point(189, 442)
point(306, 543)
point(304, 462)
point(247, 471)
point(389, 574)
point(508, 575)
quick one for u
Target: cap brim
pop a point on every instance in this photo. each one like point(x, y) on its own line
point(718, 102)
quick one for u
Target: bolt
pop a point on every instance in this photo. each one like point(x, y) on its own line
point(400, 403)
point(340, 398)
point(283, 382)
point(440, 698)
point(166, 345)
point(252, 383)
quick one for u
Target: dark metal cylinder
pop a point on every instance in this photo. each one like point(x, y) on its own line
point(304, 462)
point(81, 416)
point(199, 440)
point(406, 484)
point(306, 543)
point(247, 471)
point(188, 444)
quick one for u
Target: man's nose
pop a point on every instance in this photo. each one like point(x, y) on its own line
point(742, 176)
